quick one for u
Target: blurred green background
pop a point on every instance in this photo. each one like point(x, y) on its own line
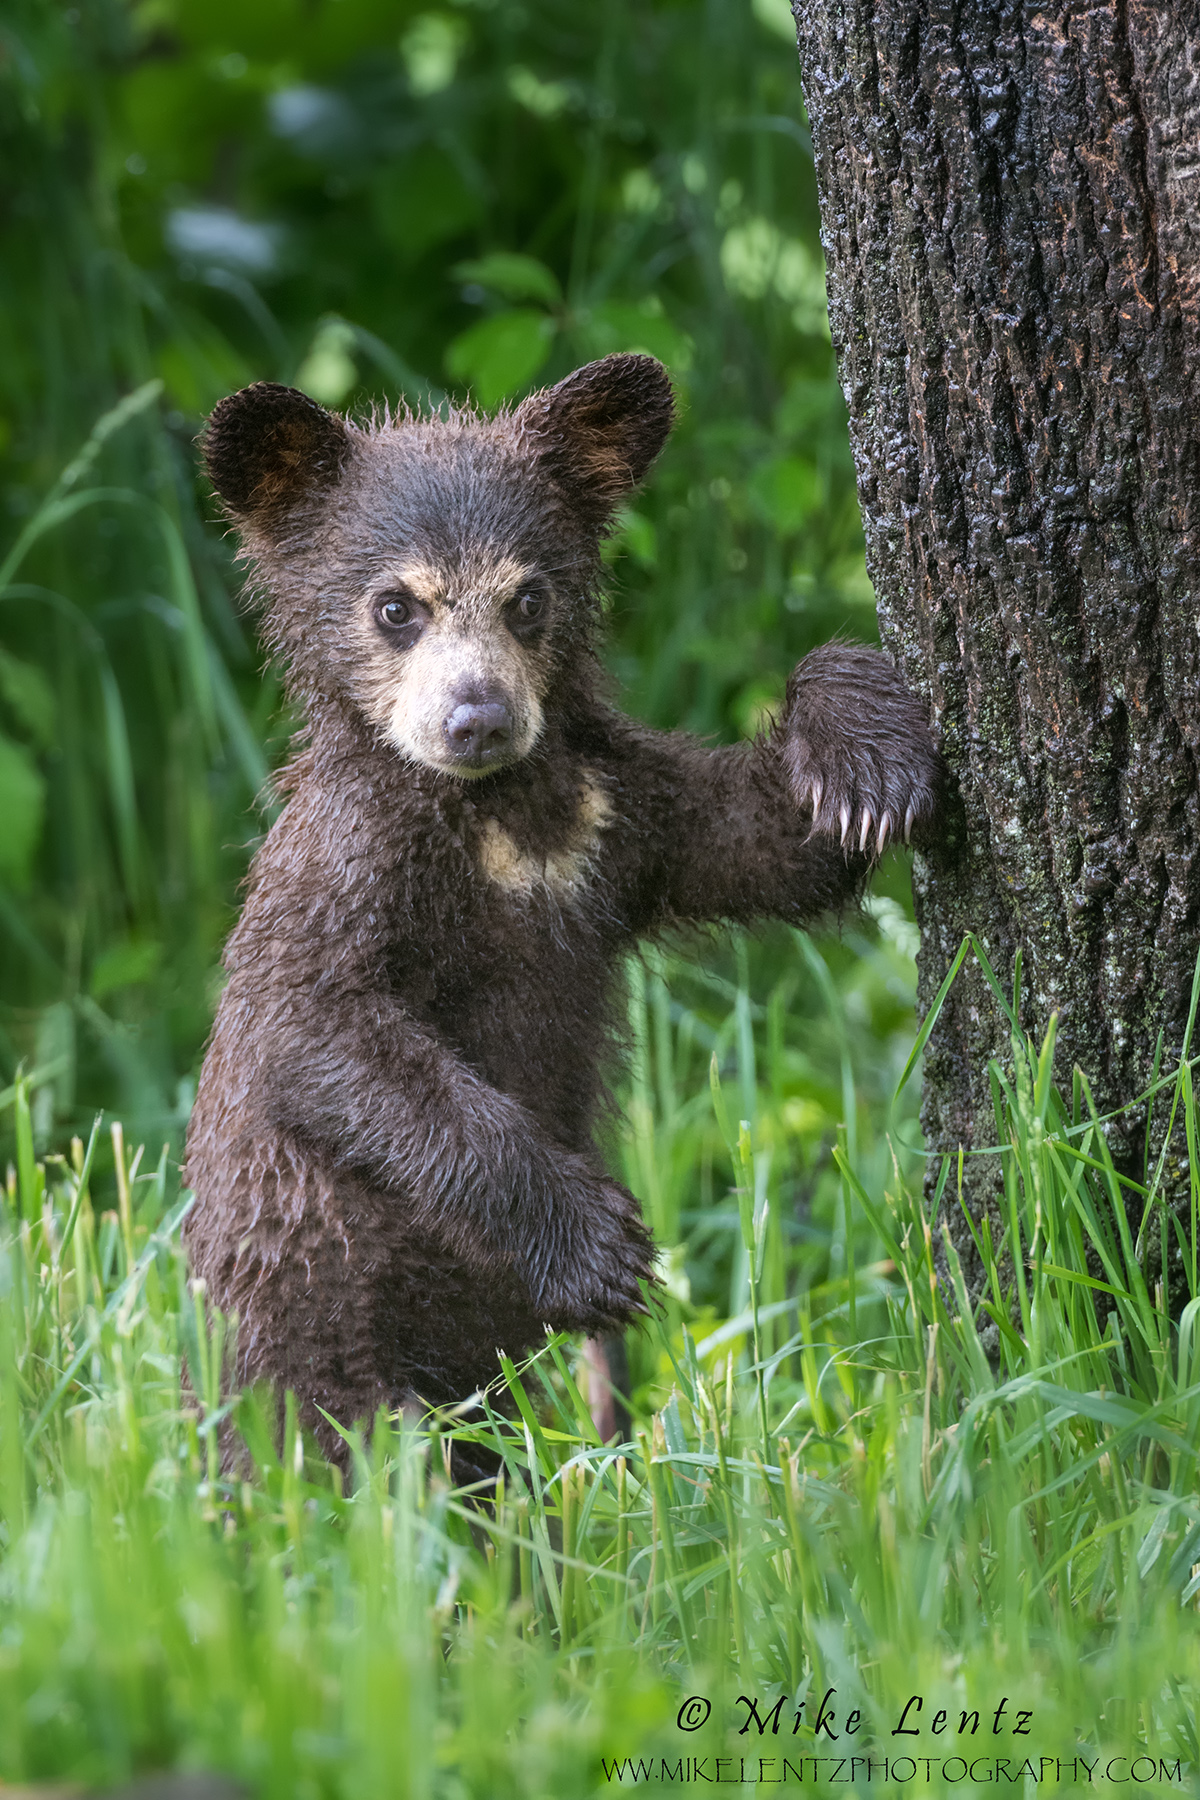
point(376, 201)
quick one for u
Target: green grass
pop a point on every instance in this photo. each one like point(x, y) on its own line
point(842, 1492)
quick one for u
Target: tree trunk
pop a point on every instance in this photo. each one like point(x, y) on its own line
point(1010, 200)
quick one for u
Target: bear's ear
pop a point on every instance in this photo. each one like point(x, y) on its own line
point(600, 429)
point(268, 446)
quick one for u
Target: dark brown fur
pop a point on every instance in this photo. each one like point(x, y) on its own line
point(392, 1143)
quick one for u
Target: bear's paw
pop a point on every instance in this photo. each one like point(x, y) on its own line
point(858, 750)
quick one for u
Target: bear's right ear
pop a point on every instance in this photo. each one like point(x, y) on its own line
point(269, 446)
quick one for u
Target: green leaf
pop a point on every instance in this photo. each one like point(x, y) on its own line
point(422, 201)
point(544, 99)
point(431, 48)
point(785, 491)
point(512, 276)
point(750, 257)
point(757, 704)
point(198, 365)
point(500, 355)
point(776, 17)
point(22, 806)
point(329, 371)
point(126, 964)
point(931, 1017)
point(633, 533)
point(619, 325)
point(29, 697)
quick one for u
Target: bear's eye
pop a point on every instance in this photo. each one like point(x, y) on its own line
point(528, 614)
point(402, 617)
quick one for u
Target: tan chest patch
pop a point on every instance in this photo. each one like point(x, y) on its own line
point(563, 871)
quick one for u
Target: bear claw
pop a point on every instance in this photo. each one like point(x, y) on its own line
point(857, 749)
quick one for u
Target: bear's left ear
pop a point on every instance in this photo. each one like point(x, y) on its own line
point(600, 429)
point(268, 447)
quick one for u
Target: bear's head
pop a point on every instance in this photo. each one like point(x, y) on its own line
point(439, 575)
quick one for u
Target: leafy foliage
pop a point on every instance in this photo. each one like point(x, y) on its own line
point(377, 202)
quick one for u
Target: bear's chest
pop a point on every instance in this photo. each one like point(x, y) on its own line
point(525, 863)
point(523, 992)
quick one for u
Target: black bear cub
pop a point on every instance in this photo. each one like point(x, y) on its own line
point(391, 1147)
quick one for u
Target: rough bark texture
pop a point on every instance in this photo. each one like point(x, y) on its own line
point(1010, 200)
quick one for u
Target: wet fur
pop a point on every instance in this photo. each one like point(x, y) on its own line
point(392, 1142)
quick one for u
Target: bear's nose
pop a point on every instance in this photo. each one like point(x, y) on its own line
point(478, 729)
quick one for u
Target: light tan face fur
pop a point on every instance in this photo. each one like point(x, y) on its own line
point(466, 648)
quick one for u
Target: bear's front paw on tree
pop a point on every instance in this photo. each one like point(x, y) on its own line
point(857, 748)
point(593, 1276)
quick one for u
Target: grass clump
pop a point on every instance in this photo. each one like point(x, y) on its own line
point(836, 1499)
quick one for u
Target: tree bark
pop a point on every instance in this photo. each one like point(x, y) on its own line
point(1010, 201)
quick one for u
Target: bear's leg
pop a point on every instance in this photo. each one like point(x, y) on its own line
point(291, 1255)
point(338, 1297)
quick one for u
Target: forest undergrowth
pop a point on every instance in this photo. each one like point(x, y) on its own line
point(843, 1526)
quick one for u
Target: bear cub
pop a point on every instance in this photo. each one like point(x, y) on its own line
point(391, 1148)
